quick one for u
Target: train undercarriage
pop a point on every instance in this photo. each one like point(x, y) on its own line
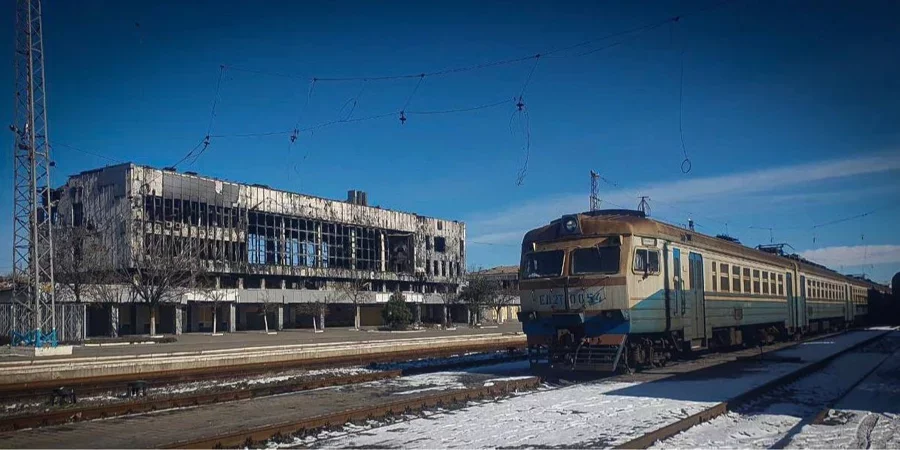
point(569, 350)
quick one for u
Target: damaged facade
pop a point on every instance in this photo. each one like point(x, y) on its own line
point(261, 245)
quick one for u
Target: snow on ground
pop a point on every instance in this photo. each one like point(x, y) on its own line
point(775, 416)
point(597, 414)
point(189, 388)
point(471, 357)
point(867, 417)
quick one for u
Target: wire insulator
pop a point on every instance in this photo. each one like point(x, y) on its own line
point(402, 118)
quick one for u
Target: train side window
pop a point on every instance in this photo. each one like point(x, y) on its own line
point(756, 281)
point(648, 259)
point(724, 284)
point(780, 285)
point(736, 279)
point(715, 286)
point(765, 282)
point(746, 281)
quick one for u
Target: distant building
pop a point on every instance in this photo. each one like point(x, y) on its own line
point(260, 244)
point(507, 278)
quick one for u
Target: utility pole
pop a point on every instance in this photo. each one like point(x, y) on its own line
point(595, 191)
point(644, 206)
point(33, 321)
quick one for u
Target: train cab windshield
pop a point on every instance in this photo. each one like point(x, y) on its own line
point(595, 260)
point(543, 264)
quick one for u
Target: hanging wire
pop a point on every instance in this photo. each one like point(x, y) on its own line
point(524, 122)
point(686, 162)
point(212, 116)
point(87, 152)
point(353, 102)
point(507, 61)
point(295, 133)
point(520, 118)
point(409, 99)
point(461, 110)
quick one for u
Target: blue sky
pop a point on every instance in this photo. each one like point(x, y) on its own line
point(789, 109)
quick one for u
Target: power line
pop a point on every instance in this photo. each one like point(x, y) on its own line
point(500, 62)
point(87, 152)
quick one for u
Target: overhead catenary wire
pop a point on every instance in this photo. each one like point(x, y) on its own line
point(88, 152)
point(403, 113)
point(499, 62)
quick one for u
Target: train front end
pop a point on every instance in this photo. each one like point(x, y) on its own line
point(574, 293)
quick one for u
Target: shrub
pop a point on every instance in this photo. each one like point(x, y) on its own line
point(396, 314)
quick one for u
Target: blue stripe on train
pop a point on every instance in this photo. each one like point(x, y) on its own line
point(594, 325)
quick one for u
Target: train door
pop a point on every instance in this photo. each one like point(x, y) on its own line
point(848, 304)
point(678, 306)
point(793, 303)
point(801, 303)
point(699, 301)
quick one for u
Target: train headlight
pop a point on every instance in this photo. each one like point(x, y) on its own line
point(571, 225)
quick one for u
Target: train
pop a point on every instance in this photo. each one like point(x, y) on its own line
point(616, 290)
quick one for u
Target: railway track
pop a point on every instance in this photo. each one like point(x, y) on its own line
point(254, 437)
point(74, 413)
point(405, 406)
point(282, 424)
point(750, 397)
point(94, 385)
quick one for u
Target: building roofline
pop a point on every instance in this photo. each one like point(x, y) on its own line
point(208, 177)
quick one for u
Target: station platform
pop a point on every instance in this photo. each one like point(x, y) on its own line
point(204, 352)
point(195, 342)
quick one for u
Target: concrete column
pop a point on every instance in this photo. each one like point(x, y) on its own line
point(468, 316)
point(418, 313)
point(179, 319)
point(113, 320)
point(445, 311)
point(322, 319)
point(240, 282)
point(279, 323)
point(383, 254)
point(232, 317)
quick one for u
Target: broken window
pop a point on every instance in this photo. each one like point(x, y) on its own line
point(440, 244)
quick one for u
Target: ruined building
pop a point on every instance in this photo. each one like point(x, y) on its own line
point(263, 247)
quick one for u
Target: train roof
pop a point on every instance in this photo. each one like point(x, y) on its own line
point(630, 222)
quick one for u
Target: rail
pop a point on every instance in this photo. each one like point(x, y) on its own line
point(648, 439)
point(244, 438)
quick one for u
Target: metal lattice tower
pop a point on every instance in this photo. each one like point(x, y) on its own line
point(33, 292)
point(595, 191)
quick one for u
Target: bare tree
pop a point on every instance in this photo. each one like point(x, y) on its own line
point(109, 287)
point(502, 298)
point(318, 309)
point(354, 291)
point(478, 293)
point(214, 295)
point(79, 258)
point(449, 297)
point(163, 271)
point(267, 305)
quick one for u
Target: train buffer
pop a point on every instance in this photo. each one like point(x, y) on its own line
point(600, 354)
point(63, 395)
point(137, 387)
